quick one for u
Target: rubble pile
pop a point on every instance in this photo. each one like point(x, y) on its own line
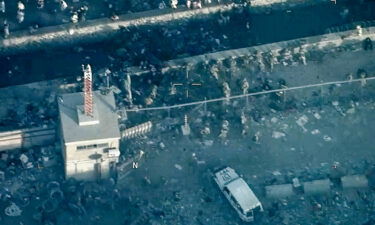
point(33, 188)
point(26, 114)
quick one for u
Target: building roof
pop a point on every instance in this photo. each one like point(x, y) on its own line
point(243, 194)
point(73, 132)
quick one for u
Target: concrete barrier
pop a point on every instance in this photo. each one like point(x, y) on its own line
point(354, 181)
point(327, 42)
point(26, 138)
point(317, 187)
point(279, 191)
point(270, 3)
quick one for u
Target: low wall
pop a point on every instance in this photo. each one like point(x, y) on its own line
point(262, 3)
point(327, 42)
point(26, 138)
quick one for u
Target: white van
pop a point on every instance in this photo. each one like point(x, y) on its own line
point(239, 194)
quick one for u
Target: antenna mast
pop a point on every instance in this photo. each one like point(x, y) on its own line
point(88, 90)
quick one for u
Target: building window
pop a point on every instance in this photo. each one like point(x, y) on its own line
point(104, 145)
point(84, 147)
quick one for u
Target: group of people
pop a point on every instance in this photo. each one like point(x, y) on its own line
point(7, 12)
point(191, 4)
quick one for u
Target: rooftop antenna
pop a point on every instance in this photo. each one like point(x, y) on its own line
point(88, 108)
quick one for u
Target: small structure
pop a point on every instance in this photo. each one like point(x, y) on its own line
point(89, 132)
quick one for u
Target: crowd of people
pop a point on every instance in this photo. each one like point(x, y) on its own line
point(32, 14)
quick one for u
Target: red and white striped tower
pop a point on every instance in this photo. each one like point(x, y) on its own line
point(88, 90)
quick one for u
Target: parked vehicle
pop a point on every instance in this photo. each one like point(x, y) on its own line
point(239, 194)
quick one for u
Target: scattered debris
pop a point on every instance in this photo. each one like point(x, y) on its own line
point(177, 166)
point(276, 173)
point(302, 121)
point(335, 104)
point(327, 138)
point(277, 134)
point(206, 131)
point(317, 116)
point(24, 159)
point(13, 210)
point(63, 5)
point(208, 143)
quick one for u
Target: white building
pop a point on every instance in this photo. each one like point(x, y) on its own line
point(90, 144)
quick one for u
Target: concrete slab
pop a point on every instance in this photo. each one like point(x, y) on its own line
point(73, 132)
point(317, 187)
point(354, 181)
point(279, 191)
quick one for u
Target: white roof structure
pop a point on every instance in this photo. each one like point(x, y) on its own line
point(78, 128)
point(243, 194)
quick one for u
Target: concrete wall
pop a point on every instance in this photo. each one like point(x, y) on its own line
point(279, 191)
point(268, 3)
point(354, 181)
point(73, 154)
point(79, 165)
point(327, 42)
point(317, 187)
point(85, 169)
point(27, 138)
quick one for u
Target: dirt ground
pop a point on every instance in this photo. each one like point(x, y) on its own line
point(328, 137)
